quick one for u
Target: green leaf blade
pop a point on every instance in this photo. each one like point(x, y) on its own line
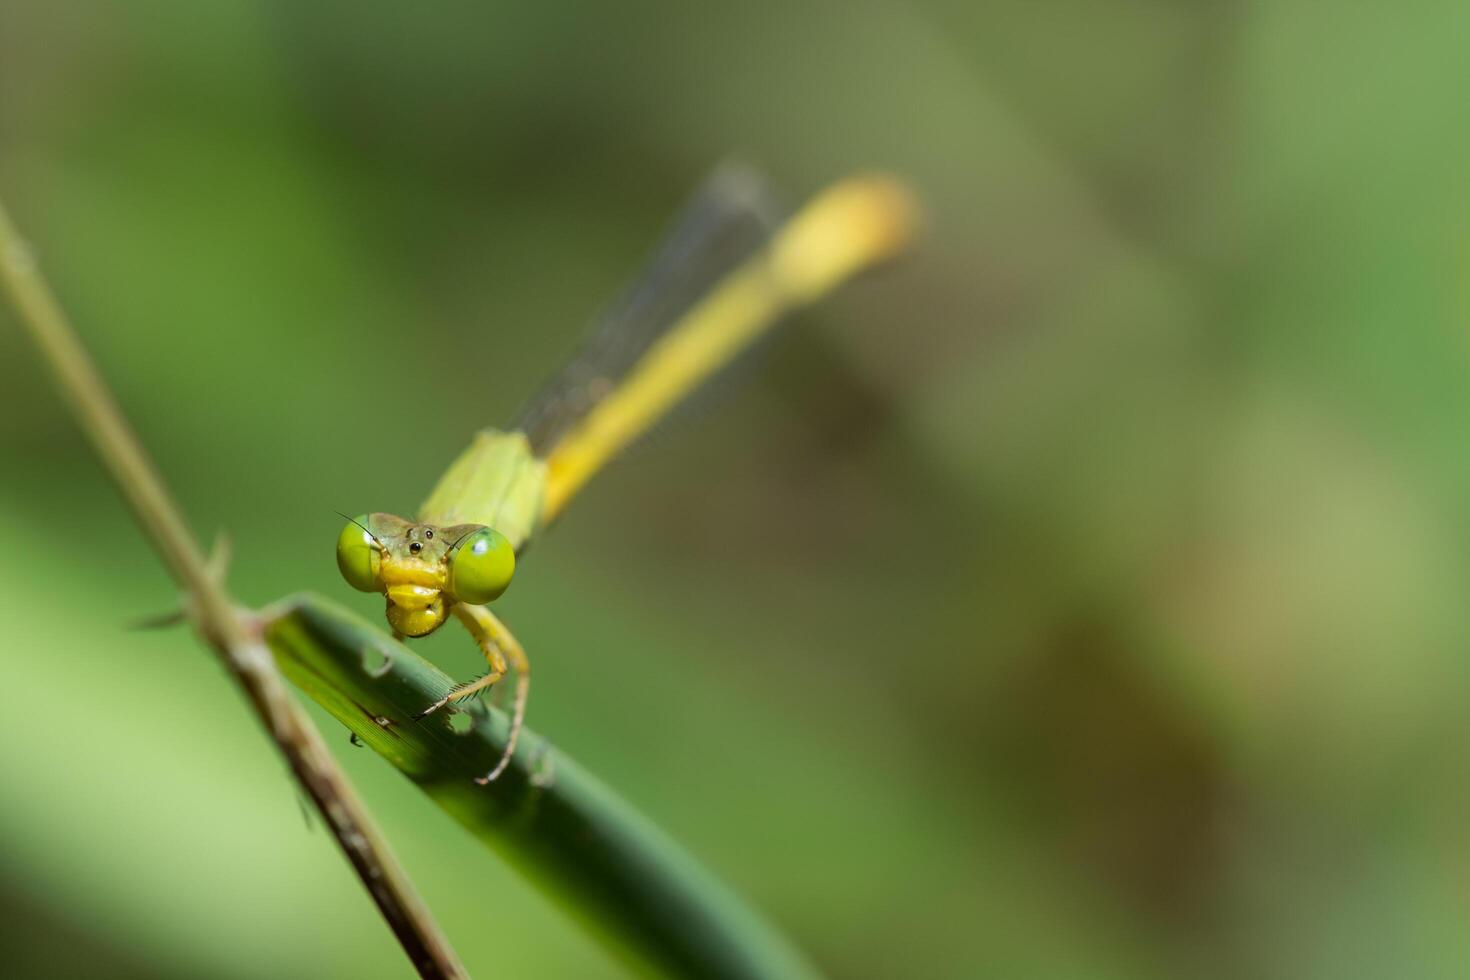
point(626, 880)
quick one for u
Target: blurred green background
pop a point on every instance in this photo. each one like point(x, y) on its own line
point(1082, 597)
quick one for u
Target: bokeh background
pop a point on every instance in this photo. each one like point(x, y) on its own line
point(1083, 596)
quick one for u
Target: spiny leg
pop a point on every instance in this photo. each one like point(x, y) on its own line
point(490, 633)
point(497, 670)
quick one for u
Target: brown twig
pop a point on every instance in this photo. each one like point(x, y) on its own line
point(244, 654)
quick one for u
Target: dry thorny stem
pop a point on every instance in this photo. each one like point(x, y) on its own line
point(238, 645)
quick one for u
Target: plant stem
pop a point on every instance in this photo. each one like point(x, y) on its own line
point(243, 653)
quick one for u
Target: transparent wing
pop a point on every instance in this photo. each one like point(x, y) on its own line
point(729, 219)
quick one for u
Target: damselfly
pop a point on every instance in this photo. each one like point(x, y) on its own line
point(727, 271)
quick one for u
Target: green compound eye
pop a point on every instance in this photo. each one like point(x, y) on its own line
point(357, 556)
point(481, 568)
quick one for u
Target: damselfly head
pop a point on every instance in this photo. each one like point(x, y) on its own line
point(423, 568)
